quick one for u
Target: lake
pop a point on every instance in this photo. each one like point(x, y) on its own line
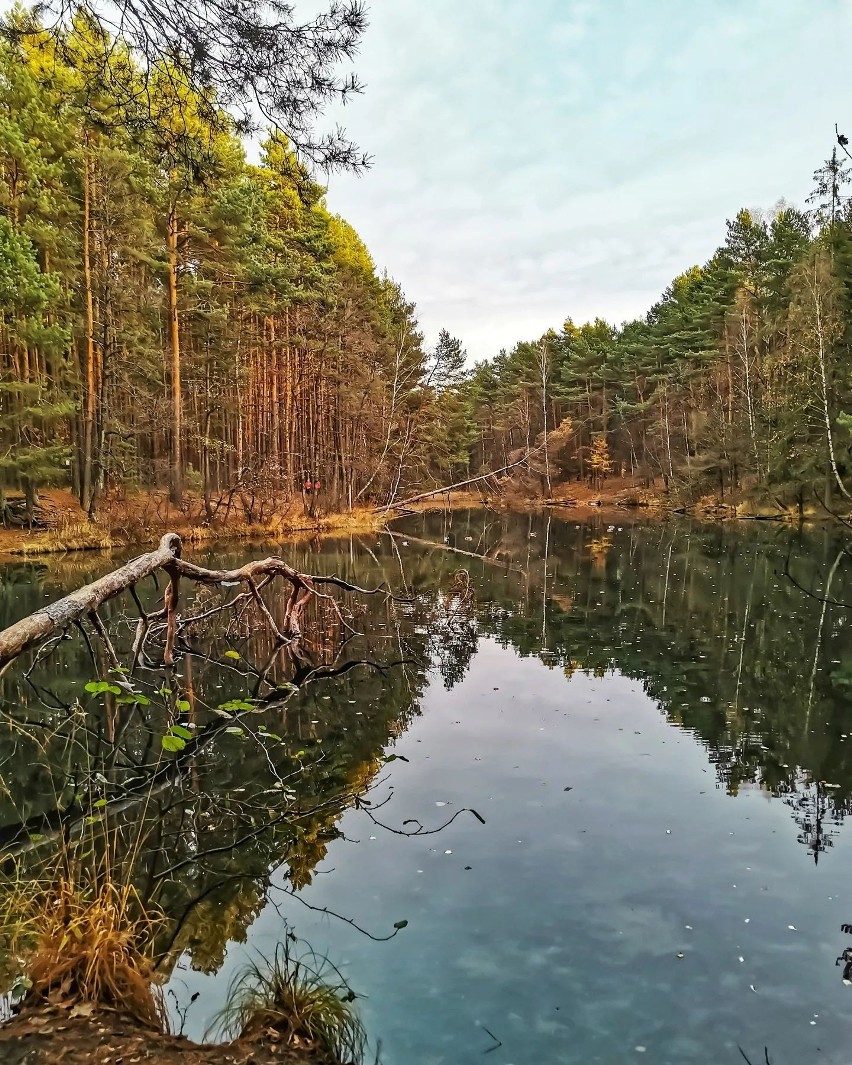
point(601, 770)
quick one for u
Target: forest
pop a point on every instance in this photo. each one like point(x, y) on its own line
point(176, 317)
point(735, 383)
point(254, 793)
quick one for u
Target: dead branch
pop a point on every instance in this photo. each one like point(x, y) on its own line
point(31, 630)
point(57, 617)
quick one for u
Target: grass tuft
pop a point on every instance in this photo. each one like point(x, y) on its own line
point(303, 1000)
point(85, 945)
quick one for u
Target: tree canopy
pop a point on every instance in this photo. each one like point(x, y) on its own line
point(176, 316)
point(259, 61)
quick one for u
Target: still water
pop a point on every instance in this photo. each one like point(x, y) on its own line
point(650, 722)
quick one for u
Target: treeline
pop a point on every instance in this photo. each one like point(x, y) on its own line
point(174, 316)
point(738, 381)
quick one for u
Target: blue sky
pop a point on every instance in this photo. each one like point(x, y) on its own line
point(543, 159)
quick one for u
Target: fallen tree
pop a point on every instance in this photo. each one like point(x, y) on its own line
point(54, 620)
point(447, 488)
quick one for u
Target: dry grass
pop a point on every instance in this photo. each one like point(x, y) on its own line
point(69, 535)
point(82, 945)
point(134, 525)
point(304, 1000)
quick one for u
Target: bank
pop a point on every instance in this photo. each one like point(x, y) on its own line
point(78, 1035)
point(136, 521)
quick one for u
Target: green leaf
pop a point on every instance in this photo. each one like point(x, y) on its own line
point(235, 655)
point(97, 805)
point(237, 706)
point(234, 730)
point(182, 705)
point(179, 730)
point(133, 697)
point(173, 743)
point(98, 687)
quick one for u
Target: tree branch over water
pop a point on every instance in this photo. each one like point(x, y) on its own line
point(31, 631)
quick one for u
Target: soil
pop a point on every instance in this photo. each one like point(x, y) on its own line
point(48, 1035)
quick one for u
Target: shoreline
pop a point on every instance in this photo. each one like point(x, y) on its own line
point(68, 530)
point(81, 1034)
point(131, 524)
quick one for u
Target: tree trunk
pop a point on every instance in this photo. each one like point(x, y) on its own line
point(175, 457)
point(89, 367)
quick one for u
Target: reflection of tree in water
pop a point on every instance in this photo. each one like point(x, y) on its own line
point(700, 617)
point(281, 743)
point(707, 621)
point(454, 628)
point(819, 816)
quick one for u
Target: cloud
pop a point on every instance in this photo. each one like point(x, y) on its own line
point(539, 160)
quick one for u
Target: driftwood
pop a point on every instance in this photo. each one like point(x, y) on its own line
point(56, 618)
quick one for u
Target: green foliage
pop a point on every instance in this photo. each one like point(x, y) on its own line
point(101, 687)
point(122, 189)
point(736, 380)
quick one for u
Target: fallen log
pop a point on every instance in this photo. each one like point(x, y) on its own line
point(55, 619)
point(446, 489)
point(57, 616)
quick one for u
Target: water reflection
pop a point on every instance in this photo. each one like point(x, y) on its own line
point(264, 809)
point(707, 620)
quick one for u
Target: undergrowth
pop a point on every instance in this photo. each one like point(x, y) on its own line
point(80, 535)
point(78, 942)
point(304, 1000)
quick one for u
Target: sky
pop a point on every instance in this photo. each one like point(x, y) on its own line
point(534, 160)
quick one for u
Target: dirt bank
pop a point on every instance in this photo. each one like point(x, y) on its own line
point(49, 1035)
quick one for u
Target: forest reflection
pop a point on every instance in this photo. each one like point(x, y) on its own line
point(753, 661)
